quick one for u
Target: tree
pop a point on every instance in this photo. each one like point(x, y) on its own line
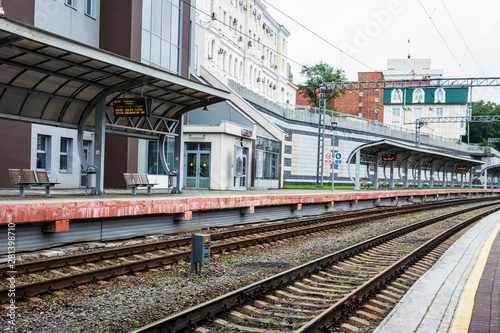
point(480, 132)
point(317, 76)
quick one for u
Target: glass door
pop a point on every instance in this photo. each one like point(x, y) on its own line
point(197, 167)
point(191, 170)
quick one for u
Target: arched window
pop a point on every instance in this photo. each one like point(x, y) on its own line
point(230, 63)
point(241, 70)
point(224, 68)
point(235, 67)
point(440, 96)
point(418, 95)
point(396, 96)
point(255, 74)
point(250, 75)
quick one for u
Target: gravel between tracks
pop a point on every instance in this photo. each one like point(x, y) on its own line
point(122, 303)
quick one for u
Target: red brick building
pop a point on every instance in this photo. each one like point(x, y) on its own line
point(368, 103)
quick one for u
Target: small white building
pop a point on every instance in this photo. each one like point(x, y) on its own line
point(240, 48)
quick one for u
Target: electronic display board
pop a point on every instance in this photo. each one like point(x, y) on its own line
point(388, 157)
point(461, 167)
point(132, 107)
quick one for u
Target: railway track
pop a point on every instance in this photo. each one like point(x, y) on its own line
point(58, 273)
point(345, 290)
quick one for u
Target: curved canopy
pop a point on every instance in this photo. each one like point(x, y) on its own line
point(372, 153)
point(52, 80)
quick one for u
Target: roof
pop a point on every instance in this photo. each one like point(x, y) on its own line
point(405, 152)
point(52, 80)
point(492, 170)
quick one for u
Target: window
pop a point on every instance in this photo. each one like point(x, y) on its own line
point(160, 34)
point(360, 104)
point(224, 18)
point(440, 96)
point(154, 163)
point(417, 112)
point(376, 99)
point(267, 158)
point(396, 96)
point(360, 94)
point(43, 152)
point(71, 3)
point(395, 112)
point(418, 95)
point(90, 8)
point(65, 154)
point(212, 50)
point(439, 112)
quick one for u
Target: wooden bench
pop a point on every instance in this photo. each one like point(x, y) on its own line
point(24, 178)
point(135, 180)
point(365, 184)
point(383, 184)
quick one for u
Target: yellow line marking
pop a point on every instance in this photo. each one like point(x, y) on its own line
point(463, 315)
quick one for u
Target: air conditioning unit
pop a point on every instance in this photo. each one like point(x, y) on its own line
point(241, 2)
point(270, 85)
point(419, 101)
point(221, 51)
point(439, 101)
point(214, 16)
point(430, 108)
point(258, 16)
point(274, 87)
point(275, 66)
point(240, 39)
point(287, 101)
point(254, 12)
point(258, 79)
point(376, 110)
point(263, 58)
point(249, 43)
point(245, 7)
point(235, 21)
point(264, 26)
point(282, 88)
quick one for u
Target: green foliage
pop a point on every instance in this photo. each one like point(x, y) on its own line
point(153, 283)
point(480, 132)
point(317, 75)
point(136, 324)
point(308, 255)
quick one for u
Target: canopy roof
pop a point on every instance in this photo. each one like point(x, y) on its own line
point(372, 153)
point(52, 80)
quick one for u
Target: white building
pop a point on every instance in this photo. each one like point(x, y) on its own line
point(410, 68)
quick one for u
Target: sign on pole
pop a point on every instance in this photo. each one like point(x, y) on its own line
point(338, 158)
point(328, 158)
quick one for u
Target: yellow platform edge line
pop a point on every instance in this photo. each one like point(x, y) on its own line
point(463, 314)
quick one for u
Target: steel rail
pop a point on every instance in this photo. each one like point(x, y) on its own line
point(207, 310)
point(35, 288)
point(88, 257)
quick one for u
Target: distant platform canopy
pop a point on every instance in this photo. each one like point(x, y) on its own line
point(51, 80)
point(490, 176)
point(428, 168)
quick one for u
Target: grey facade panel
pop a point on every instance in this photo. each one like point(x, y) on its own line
point(30, 237)
point(140, 226)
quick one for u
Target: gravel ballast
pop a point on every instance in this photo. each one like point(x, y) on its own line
point(125, 302)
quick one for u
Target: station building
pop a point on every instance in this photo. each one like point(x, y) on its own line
point(153, 33)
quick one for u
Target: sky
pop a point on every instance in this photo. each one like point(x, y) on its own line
point(462, 38)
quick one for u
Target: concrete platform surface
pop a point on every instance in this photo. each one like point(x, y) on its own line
point(73, 204)
point(443, 299)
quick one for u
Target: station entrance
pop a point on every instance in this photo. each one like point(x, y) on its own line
point(197, 168)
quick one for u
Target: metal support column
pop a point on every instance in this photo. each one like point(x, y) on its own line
point(391, 179)
point(431, 180)
point(358, 163)
point(419, 174)
point(405, 165)
point(375, 174)
point(443, 185)
point(321, 137)
point(179, 156)
point(99, 145)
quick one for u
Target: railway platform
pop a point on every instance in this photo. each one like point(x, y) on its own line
point(69, 216)
point(460, 293)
